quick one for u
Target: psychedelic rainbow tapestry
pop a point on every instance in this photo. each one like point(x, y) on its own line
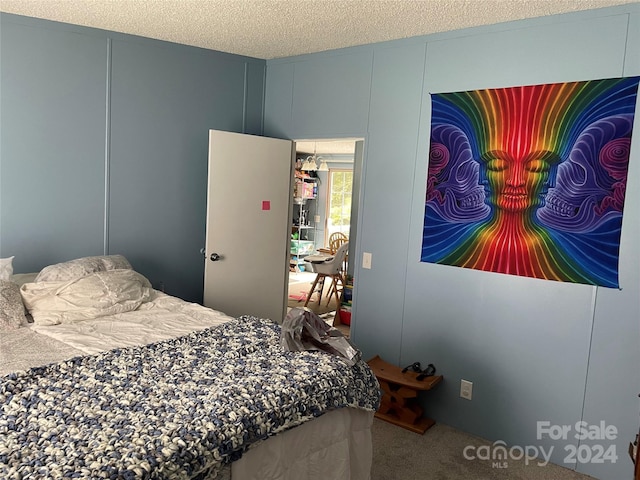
point(530, 180)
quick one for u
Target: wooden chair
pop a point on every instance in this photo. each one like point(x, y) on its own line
point(330, 267)
point(335, 240)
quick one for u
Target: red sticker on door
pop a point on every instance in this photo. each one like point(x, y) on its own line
point(266, 205)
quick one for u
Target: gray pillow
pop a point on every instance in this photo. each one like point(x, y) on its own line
point(81, 267)
point(6, 268)
point(11, 306)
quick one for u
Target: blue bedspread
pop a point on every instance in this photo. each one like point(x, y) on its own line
point(178, 409)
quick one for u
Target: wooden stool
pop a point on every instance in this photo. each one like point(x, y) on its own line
point(400, 394)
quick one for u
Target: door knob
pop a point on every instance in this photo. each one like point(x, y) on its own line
point(215, 257)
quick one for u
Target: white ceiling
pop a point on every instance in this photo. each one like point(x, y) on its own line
point(280, 28)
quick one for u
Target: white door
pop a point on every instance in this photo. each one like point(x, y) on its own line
point(248, 224)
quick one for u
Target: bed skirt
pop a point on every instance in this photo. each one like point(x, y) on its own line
point(335, 446)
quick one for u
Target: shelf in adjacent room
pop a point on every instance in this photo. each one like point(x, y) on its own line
point(303, 231)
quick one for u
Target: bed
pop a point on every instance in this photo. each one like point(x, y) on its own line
point(105, 377)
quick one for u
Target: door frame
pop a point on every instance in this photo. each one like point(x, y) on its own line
point(357, 193)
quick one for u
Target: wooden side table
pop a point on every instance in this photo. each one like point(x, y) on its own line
point(399, 403)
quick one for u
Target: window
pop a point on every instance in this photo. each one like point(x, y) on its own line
point(339, 202)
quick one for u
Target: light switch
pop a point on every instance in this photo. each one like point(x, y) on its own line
point(366, 260)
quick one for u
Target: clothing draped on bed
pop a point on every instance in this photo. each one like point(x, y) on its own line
point(178, 408)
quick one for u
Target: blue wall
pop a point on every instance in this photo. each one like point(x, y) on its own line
point(535, 350)
point(103, 145)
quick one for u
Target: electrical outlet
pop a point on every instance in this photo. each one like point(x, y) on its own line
point(466, 389)
point(366, 260)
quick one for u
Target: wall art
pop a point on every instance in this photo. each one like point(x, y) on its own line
point(530, 180)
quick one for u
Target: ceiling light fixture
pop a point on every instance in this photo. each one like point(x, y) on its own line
point(310, 164)
point(323, 165)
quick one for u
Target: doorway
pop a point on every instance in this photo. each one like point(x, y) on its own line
point(330, 166)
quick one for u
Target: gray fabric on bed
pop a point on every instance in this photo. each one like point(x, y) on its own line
point(23, 348)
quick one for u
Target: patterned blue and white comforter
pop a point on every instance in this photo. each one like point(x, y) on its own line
point(176, 409)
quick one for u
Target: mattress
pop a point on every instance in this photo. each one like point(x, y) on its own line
point(160, 318)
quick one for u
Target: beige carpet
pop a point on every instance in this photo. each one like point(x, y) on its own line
point(439, 455)
point(299, 285)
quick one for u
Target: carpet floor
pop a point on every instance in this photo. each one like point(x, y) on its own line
point(439, 454)
point(299, 286)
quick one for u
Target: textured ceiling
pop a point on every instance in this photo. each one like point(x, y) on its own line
point(280, 28)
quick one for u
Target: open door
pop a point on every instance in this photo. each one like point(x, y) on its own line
point(248, 224)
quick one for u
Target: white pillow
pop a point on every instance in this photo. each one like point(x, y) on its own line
point(92, 296)
point(11, 306)
point(81, 267)
point(6, 268)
